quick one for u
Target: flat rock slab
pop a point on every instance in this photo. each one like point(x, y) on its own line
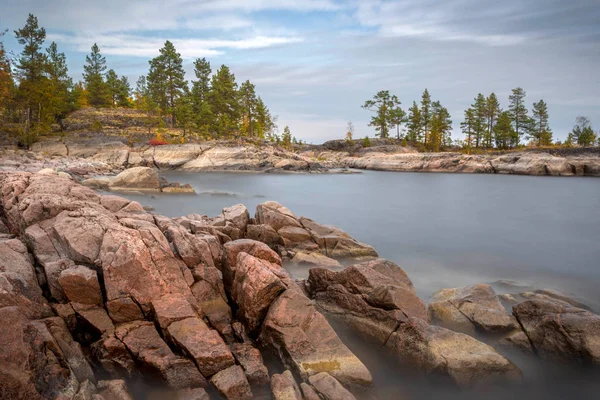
point(329, 388)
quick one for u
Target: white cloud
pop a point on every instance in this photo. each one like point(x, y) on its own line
point(141, 46)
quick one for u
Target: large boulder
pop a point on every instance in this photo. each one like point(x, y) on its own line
point(255, 286)
point(238, 216)
point(276, 216)
point(251, 360)
point(307, 343)
point(470, 308)
point(466, 361)
point(557, 330)
point(251, 247)
point(80, 285)
point(137, 178)
point(373, 296)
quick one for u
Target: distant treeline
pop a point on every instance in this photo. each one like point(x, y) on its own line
point(486, 125)
point(37, 93)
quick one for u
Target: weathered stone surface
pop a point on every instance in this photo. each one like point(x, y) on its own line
point(232, 384)
point(329, 388)
point(15, 261)
point(433, 349)
point(211, 298)
point(306, 342)
point(255, 286)
point(114, 390)
point(294, 234)
point(171, 309)
point(469, 308)
point(154, 356)
point(95, 316)
point(315, 259)
point(372, 296)
point(80, 285)
point(557, 330)
point(112, 355)
point(251, 360)
point(114, 203)
point(308, 392)
point(192, 394)
point(251, 247)
point(264, 234)
point(203, 344)
point(32, 364)
point(284, 387)
point(138, 178)
point(238, 216)
point(192, 249)
point(124, 310)
point(276, 216)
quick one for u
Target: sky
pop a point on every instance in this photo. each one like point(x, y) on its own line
point(315, 62)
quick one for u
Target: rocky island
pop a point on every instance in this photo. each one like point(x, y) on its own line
point(100, 298)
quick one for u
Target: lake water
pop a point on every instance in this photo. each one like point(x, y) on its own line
point(445, 230)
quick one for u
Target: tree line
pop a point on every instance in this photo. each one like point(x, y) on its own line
point(37, 92)
point(486, 125)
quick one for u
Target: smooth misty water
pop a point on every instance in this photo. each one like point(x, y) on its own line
point(445, 230)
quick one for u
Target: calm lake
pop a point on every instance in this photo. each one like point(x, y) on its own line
point(445, 230)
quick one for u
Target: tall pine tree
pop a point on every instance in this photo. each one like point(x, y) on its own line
point(383, 105)
point(248, 104)
point(166, 80)
point(425, 115)
point(519, 115)
point(200, 93)
point(223, 99)
point(480, 125)
point(492, 111)
point(93, 76)
point(413, 133)
point(540, 129)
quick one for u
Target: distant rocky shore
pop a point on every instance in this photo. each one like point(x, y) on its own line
point(113, 157)
point(98, 296)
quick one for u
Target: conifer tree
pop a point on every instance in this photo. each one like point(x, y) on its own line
point(540, 129)
point(582, 132)
point(200, 93)
point(286, 138)
point(425, 115)
point(518, 112)
point(468, 126)
point(248, 104)
point(480, 124)
point(31, 69)
point(264, 122)
point(492, 108)
point(223, 99)
point(504, 132)
point(383, 105)
point(414, 125)
point(93, 76)
point(184, 110)
point(59, 100)
point(113, 85)
point(440, 128)
point(166, 80)
point(6, 80)
point(398, 118)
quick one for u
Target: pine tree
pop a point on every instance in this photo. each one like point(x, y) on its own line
point(413, 133)
point(184, 110)
point(504, 132)
point(540, 130)
point(6, 80)
point(224, 102)
point(398, 118)
point(114, 86)
point(286, 138)
point(264, 122)
point(166, 80)
point(248, 103)
point(468, 126)
point(518, 112)
point(31, 70)
point(59, 101)
point(441, 126)
point(480, 124)
point(425, 115)
point(582, 132)
point(383, 105)
point(143, 102)
point(200, 93)
point(93, 76)
point(492, 111)
point(124, 96)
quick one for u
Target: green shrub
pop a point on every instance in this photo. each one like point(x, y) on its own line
point(366, 142)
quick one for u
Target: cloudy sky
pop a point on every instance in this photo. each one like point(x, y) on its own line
point(316, 61)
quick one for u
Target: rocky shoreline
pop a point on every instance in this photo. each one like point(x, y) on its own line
point(98, 296)
point(114, 157)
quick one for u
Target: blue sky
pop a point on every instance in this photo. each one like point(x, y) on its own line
point(316, 61)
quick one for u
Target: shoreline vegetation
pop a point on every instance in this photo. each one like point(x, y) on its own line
point(38, 97)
